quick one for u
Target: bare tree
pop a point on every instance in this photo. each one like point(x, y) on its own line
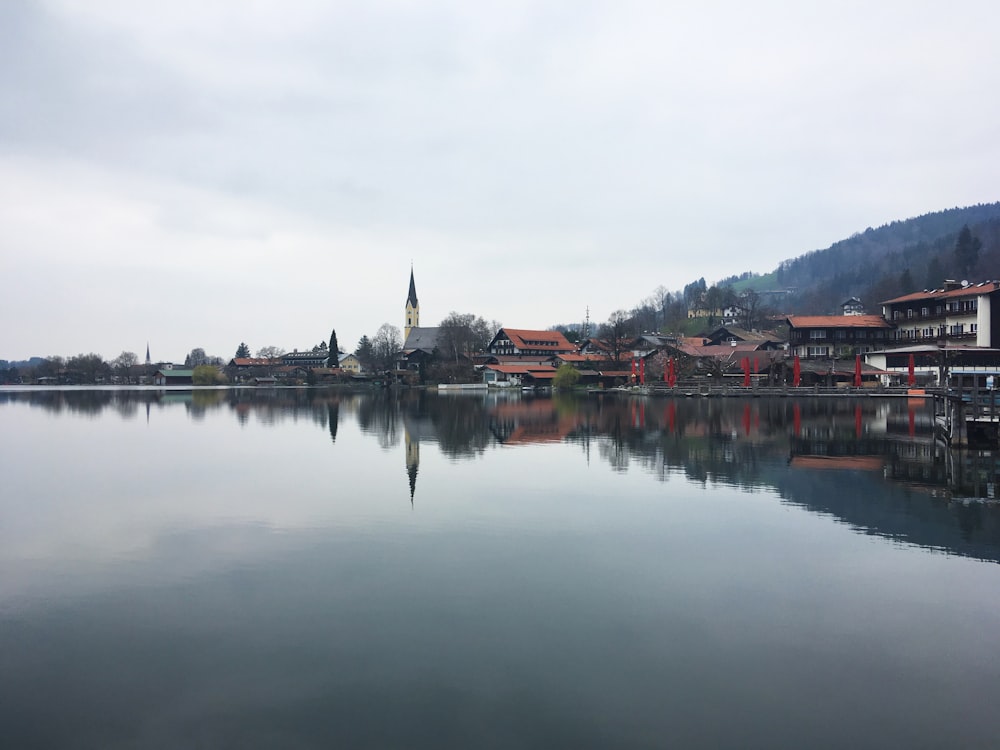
point(463, 335)
point(386, 346)
point(270, 352)
point(750, 310)
point(662, 296)
point(124, 362)
point(615, 331)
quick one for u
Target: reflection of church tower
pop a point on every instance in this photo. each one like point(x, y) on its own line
point(412, 308)
point(412, 459)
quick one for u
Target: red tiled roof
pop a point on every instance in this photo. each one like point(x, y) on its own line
point(553, 340)
point(837, 321)
point(969, 291)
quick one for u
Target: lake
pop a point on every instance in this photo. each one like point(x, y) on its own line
point(304, 568)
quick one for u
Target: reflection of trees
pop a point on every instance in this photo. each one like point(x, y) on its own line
point(379, 414)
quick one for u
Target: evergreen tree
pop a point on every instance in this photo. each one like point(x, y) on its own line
point(935, 274)
point(243, 350)
point(906, 281)
point(967, 250)
point(334, 349)
point(365, 352)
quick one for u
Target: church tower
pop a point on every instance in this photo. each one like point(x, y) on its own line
point(412, 309)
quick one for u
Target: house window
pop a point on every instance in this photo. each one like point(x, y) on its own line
point(817, 333)
point(925, 311)
point(895, 315)
point(817, 351)
point(973, 327)
point(909, 312)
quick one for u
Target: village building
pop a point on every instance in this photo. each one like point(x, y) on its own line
point(825, 336)
point(957, 313)
point(350, 363)
point(523, 342)
point(170, 375)
point(314, 358)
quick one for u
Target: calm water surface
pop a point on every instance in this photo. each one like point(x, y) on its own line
point(308, 569)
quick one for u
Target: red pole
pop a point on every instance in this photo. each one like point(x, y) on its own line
point(911, 376)
point(796, 372)
point(857, 370)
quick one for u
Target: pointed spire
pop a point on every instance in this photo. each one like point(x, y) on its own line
point(147, 354)
point(411, 299)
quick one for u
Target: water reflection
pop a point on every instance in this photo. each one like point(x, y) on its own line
point(245, 568)
point(873, 463)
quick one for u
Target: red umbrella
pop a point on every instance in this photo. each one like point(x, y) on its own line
point(857, 370)
point(911, 377)
point(642, 371)
point(796, 372)
point(673, 373)
point(746, 372)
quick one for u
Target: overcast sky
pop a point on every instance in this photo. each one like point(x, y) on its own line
point(197, 174)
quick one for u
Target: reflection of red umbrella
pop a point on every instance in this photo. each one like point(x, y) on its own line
point(911, 378)
point(913, 425)
point(746, 419)
point(857, 421)
point(797, 418)
point(857, 370)
point(796, 372)
point(746, 372)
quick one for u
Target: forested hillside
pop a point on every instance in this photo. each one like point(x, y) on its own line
point(893, 259)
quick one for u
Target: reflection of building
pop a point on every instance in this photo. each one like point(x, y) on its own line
point(523, 421)
point(416, 427)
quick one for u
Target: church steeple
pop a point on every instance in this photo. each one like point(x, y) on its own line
point(412, 315)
